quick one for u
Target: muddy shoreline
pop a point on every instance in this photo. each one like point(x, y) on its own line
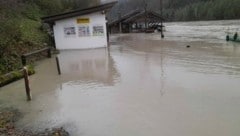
point(8, 118)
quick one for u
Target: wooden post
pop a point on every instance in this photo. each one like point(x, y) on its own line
point(26, 79)
point(24, 60)
point(58, 66)
point(107, 34)
point(49, 53)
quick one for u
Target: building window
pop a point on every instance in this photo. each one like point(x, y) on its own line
point(69, 31)
point(83, 31)
point(98, 30)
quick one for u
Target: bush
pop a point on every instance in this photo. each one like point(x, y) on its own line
point(31, 32)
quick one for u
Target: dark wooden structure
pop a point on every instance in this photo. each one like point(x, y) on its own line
point(25, 56)
point(137, 21)
point(118, 25)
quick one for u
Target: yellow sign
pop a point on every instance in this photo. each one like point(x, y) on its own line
point(83, 21)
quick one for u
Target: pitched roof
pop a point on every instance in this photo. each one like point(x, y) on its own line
point(126, 16)
point(149, 14)
point(79, 12)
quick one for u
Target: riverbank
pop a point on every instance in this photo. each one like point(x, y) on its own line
point(27, 60)
point(9, 116)
point(15, 75)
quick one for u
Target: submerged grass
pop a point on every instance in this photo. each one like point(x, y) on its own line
point(15, 75)
point(8, 117)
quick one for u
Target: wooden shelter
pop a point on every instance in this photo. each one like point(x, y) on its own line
point(137, 21)
point(118, 25)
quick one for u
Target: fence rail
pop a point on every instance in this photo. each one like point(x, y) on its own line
point(25, 56)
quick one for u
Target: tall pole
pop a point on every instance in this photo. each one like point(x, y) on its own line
point(161, 10)
point(145, 10)
point(120, 23)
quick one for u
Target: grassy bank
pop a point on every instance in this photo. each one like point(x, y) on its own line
point(21, 28)
point(14, 76)
point(21, 32)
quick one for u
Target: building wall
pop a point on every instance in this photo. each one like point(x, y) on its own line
point(67, 36)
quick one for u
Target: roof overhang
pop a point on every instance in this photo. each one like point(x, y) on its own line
point(150, 15)
point(130, 14)
point(102, 7)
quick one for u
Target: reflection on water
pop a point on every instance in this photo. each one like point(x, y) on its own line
point(202, 57)
point(84, 66)
point(143, 87)
point(163, 76)
point(83, 73)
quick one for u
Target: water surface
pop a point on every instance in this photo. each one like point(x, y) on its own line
point(141, 86)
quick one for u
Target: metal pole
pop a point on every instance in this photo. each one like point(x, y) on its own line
point(161, 9)
point(120, 23)
point(58, 66)
point(27, 86)
point(145, 10)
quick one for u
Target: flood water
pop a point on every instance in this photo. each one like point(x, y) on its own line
point(141, 86)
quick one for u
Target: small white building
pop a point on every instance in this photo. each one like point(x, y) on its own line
point(80, 29)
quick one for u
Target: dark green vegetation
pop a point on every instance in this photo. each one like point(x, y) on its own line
point(21, 29)
point(205, 10)
point(20, 32)
point(14, 76)
point(184, 10)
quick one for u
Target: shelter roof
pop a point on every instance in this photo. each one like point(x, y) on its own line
point(126, 16)
point(79, 12)
point(148, 14)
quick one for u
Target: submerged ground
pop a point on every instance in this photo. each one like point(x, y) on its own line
point(141, 86)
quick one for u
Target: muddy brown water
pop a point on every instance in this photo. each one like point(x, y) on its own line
point(139, 87)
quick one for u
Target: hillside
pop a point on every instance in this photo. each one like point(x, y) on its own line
point(21, 29)
point(184, 10)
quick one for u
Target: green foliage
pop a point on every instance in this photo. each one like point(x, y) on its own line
point(183, 10)
point(18, 36)
point(32, 11)
point(20, 31)
point(209, 10)
point(31, 32)
point(74, 4)
point(49, 7)
point(31, 70)
point(10, 34)
point(15, 75)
